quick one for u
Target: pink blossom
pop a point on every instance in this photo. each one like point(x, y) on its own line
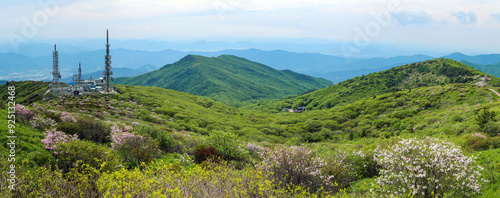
point(53, 138)
point(67, 117)
point(120, 135)
point(23, 113)
point(478, 135)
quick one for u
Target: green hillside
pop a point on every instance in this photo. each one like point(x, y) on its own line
point(405, 77)
point(228, 79)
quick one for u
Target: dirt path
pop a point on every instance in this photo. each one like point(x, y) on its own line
point(498, 94)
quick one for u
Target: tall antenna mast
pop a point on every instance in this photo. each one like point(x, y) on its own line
point(79, 72)
point(55, 70)
point(107, 68)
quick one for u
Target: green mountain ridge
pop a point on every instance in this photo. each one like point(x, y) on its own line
point(422, 74)
point(228, 79)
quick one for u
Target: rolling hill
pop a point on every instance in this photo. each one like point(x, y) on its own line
point(422, 74)
point(229, 79)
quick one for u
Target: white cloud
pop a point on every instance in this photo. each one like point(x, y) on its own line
point(466, 18)
point(411, 17)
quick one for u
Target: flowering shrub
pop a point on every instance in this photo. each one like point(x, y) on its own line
point(54, 138)
point(478, 135)
point(254, 148)
point(67, 117)
point(41, 123)
point(135, 149)
point(294, 165)
point(120, 135)
point(184, 159)
point(424, 168)
point(23, 114)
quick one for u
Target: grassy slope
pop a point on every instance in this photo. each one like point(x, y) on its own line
point(422, 74)
point(228, 79)
point(27, 92)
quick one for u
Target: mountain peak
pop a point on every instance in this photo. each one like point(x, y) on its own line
point(228, 79)
point(406, 77)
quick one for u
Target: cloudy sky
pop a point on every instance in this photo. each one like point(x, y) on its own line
point(457, 24)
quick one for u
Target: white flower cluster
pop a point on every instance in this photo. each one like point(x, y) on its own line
point(426, 167)
point(184, 159)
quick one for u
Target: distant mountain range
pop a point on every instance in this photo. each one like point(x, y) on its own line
point(117, 72)
point(333, 68)
point(229, 79)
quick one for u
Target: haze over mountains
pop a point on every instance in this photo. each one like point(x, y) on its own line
point(36, 63)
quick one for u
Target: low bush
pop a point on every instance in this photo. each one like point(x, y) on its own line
point(93, 130)
point(476, 142)
point(226, 143)
point(209, 153)
point(182, 142)
point(170, 180)
point(75, 153)
point(294, 165)
point(136, 150)
point(163, 138)
point(347, 167)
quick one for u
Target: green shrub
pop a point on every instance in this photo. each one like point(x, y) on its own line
point(347, 167)
point(136, 150)
point(84, 152)
point(88, 129)
point(476, 142)
point(184, 143)
point(491, 128)
point(164, 140)
point(483, 118)
point(226, 143)
point(456, 118)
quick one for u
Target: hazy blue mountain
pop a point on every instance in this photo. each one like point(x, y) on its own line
point(484, 59)
point(333, 68)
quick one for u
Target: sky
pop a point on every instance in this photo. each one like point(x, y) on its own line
point(458, 25)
